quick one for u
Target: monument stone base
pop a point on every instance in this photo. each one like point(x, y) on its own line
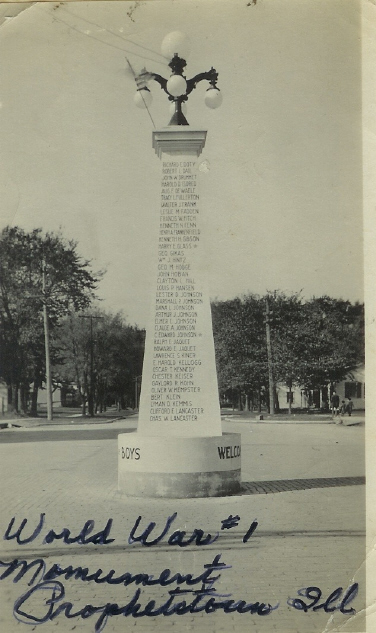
point(179, 467)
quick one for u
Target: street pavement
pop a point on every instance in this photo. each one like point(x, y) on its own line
point(310, 530)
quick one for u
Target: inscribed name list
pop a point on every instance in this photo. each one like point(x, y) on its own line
point(179, 394)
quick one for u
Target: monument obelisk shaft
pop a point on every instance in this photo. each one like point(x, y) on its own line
point(179, 394)
point(179, 449)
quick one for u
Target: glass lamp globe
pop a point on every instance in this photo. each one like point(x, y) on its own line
point(175, 42)
point(143, 98)
point(176, 85)
point(213, 98)
point(183, 108)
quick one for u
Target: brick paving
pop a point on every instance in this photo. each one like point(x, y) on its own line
point(284, 485)
point(311, 535)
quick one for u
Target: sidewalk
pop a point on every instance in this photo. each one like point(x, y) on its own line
point(64, 421)
point(358, 417)
point(311, 537)
point(117, 420)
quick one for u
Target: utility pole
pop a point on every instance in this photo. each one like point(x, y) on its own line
point(47, 345)
point(91, 390)
point(270, 357)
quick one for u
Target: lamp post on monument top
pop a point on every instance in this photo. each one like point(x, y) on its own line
point(179, 449)
point(177, 87)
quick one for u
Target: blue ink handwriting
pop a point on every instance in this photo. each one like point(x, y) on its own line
point(45, 600)
point(165, 578)
point(314, 594)
point(176, 538)
point(179, 538)
point(249, 533)
point(230, 522)
point(204, 599)
point(83, 538)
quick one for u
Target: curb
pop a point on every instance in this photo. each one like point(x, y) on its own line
point(66, 424)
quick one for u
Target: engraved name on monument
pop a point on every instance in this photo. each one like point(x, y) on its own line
point(179, 359)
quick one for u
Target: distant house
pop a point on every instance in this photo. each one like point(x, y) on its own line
point(353, 386)
point(299, 397)
point(56, 398)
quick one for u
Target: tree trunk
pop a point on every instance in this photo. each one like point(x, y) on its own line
point(13, 396)
point(276, 401)
point(34, 400)
point(247, 402)
point(10, 397)
point(240, 400)
point(23, 398)
point(16, 398)
point(290, 397)
point(268, 400)
point(85, 394)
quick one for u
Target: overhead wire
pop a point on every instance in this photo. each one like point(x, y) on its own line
point(119, 48)
point(124, 50)
point(125, 39)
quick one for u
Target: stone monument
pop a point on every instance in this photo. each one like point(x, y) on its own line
point(179, 449)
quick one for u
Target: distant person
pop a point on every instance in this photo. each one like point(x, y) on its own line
point(349, 406)
point(343, 407)
point(334, 401)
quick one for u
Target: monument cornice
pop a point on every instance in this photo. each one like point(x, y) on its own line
point(178, 140)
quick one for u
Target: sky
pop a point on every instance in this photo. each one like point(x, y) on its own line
point(281, 184)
